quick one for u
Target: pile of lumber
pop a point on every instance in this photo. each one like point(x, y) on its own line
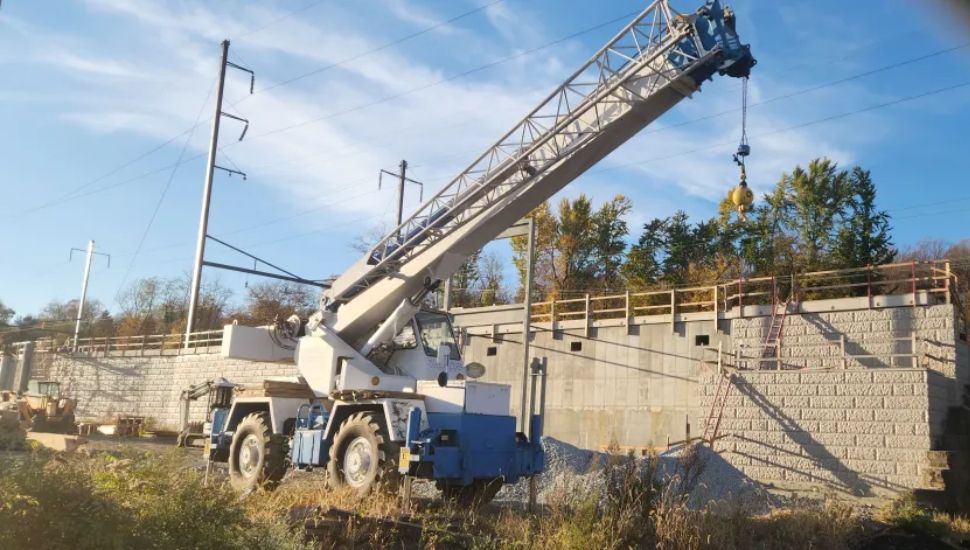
point(12, 432)
point(276, 388)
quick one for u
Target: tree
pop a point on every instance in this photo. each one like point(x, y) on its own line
point(156, 305)
point(545, 228)
point(268, 301)
point(572, 257)
point(864, 238)
point(609, 241)
point(642, 267)
point(6, 314)
point(464, 283)
point(491, 281)
point(816, 200)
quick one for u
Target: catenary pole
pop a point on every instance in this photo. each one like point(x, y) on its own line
point(206, 196)
point(84, 292)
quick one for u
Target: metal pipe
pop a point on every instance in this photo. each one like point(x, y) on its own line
point(527, 322)
point(206, 196)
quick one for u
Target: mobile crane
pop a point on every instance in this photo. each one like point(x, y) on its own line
point(393, 397)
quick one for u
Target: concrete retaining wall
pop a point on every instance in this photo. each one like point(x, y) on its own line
point(863, 432)
point(148, 386)
point(639, 384)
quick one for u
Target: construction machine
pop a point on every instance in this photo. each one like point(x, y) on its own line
point(218, 394)
point(392, 396)
point(42, 407)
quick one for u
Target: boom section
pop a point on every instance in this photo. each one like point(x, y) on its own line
point(655, 50)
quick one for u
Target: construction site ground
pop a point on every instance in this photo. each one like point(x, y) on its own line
point(572, 477)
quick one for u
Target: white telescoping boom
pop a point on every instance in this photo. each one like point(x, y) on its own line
point(647, 68)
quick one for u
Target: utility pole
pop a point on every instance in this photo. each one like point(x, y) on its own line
point(210, 169)
point(400, 192)
point(84, 286)
point(402, 178)
point(206, 196)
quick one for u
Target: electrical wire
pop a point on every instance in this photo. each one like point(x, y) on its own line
point(379, 48)
point(164, 193)
point(444, 80)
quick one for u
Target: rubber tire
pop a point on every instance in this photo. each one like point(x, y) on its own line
point(271, 464)
point(478, 493)
point(369, 425)
point(38, 423)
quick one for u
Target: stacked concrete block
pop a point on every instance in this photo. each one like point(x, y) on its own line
point(862, 432)
point(814, 340)
point(149, 386)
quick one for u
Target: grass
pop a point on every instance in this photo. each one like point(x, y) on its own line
point(143, 500)
point(907, 514)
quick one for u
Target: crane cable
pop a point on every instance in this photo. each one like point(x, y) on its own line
point(742, 197)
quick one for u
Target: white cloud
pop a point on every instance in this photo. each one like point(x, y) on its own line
point(439, 129)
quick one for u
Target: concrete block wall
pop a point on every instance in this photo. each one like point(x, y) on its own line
point(815, 336)
point(148, 386)
point(861, 432)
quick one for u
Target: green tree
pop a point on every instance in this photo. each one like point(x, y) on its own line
point(818, 198)
point(609, 241)
point(864, 238)
point(642, 267)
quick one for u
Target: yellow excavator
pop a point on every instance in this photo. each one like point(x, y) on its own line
point(42, 407)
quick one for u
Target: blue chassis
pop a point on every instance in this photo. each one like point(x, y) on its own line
point(455, 448)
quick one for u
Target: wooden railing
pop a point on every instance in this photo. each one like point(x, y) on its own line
point(935, 278)
point(152, 344)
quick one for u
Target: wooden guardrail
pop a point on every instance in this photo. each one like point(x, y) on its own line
point(934, 277)
point(152, 344)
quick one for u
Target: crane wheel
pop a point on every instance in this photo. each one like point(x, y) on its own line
point(256, 456)
point(362, 456)
point(478, 493)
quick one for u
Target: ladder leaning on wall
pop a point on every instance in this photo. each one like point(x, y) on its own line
point(771, 347)
point(770, 353)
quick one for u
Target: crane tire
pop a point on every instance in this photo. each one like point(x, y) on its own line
point(256, 455)
point(362, 456)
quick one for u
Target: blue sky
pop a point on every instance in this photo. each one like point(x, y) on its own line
point(89, 85)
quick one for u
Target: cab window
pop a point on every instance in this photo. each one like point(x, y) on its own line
point(436, 331)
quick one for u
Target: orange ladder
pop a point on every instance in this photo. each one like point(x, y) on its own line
point(769, 350)
point(713, 421)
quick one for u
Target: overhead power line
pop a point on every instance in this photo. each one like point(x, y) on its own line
point(696, 150)
point(165, 188)
point(446, 79)
point(379, 48)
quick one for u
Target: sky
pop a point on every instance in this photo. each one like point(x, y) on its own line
point(106, 107)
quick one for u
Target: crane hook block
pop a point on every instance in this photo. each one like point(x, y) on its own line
point(741, 197)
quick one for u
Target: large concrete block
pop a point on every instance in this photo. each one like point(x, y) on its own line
point(833, 402)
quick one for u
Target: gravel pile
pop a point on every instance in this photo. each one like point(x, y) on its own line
point(573, 473)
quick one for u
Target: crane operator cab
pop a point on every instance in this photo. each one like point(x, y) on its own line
point(425, 349)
